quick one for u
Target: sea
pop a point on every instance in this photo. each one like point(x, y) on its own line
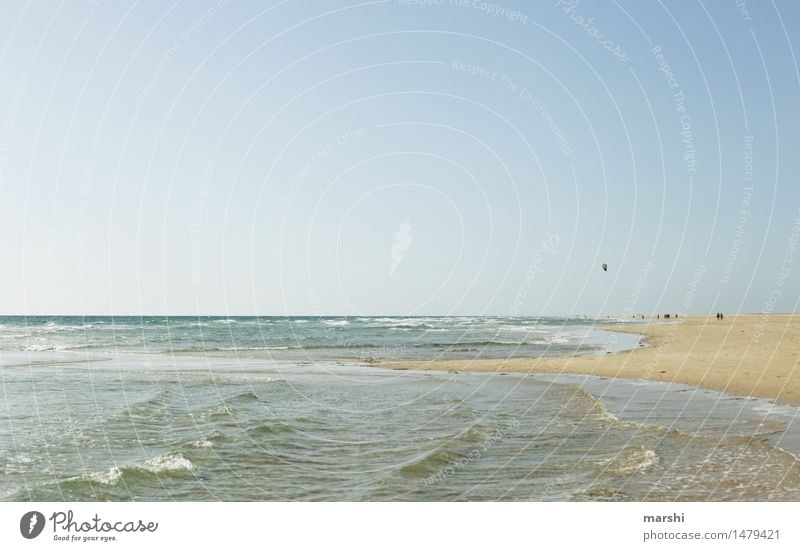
point(304, 408)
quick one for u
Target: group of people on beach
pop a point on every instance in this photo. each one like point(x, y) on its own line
point(720, 316)
point(658, 316)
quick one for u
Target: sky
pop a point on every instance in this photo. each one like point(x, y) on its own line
point(228, 157)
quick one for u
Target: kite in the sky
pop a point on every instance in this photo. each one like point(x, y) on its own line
point(605, 267)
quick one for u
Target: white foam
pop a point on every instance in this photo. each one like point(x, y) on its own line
point(630, 461)
point(43, 347)
point(775, 409)
point(159, 464)
point(523, 329)
point(107, 478)
point(166, 463)
point(650, 459)
point(221, 410)
point(246, 348)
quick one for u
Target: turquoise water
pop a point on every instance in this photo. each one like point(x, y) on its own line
point(100, 410)
point(312, 338)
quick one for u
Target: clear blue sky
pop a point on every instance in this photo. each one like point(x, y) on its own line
point(395, 157)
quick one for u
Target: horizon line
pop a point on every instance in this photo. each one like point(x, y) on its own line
point(377, 315)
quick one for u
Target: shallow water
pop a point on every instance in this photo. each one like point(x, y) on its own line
point(157, 427)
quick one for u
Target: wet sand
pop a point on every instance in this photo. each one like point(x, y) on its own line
point(746, 354)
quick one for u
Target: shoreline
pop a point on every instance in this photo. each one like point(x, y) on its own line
point(754, 355)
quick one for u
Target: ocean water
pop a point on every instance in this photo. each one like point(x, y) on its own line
point(287, 409)
point(313, 338)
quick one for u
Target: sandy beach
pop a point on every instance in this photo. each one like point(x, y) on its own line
point(747, 354)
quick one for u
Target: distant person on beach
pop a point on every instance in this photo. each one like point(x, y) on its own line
point(718, 315)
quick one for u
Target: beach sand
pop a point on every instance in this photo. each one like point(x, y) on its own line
point(747, 354)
